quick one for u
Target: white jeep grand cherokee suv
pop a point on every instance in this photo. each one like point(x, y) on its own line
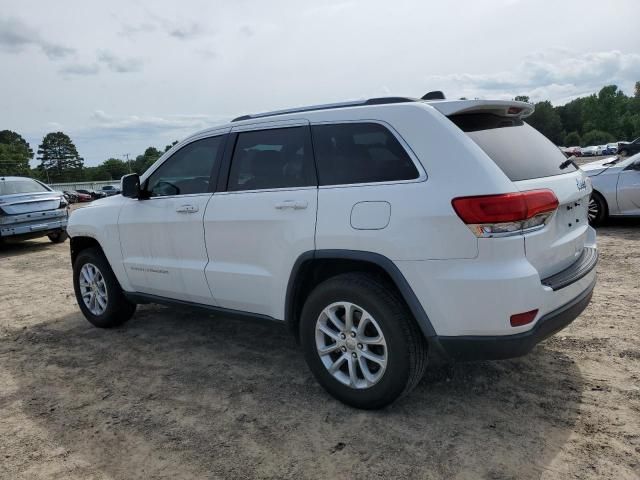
point(377, 231)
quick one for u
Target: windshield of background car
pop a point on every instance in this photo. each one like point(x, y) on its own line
point(11, 187)
point(518, 149)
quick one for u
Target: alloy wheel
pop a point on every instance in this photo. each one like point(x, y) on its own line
point(351, 345)
point(594, 209)
point(93, 289)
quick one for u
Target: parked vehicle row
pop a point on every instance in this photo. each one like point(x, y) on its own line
point(591, 151)
point(377, 230)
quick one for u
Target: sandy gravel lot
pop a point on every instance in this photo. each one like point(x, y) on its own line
point(180, 394)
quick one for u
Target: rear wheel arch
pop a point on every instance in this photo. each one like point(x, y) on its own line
point(313, 267)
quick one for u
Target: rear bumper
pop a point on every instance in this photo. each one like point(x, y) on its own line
point(509, 346)
point(33, 228)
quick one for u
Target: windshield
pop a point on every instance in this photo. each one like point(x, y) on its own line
point(24, 185)
point(518, 149)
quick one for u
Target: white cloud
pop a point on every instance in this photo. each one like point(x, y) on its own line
point(80, 69)
point(119, 64)
point(15, 36)
point(556, 74)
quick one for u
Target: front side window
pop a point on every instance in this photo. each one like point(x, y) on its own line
point(349, 153)
point(188, 171)
point(275, 158)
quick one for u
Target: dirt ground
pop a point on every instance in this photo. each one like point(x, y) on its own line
point(181, 394)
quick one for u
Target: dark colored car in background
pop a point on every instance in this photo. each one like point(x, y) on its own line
point(30, 209)
point(626, 149)
point(71, 196)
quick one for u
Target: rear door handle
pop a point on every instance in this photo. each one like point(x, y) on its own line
point(292, 204)
point(187, 209)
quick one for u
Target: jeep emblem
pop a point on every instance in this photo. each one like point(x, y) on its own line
point(581, 184)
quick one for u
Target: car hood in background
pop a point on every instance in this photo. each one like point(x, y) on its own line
point(30, 202)
point(596, 168)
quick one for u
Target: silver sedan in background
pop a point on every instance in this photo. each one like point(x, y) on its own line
point(616, 188)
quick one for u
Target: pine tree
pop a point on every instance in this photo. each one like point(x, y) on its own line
point(59, 158)
point(15, 154)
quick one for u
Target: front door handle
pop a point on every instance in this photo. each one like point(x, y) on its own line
point(292, 204)
point(187, 209)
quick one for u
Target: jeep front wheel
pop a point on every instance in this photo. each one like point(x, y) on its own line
point(361, 342)
point(98, 292)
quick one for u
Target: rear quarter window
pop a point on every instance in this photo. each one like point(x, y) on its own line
point(348, 153)
point(520, 151)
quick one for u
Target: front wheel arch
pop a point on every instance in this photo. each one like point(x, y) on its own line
point(78, 244)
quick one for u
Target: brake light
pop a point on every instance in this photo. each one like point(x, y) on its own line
point(507, 213)
point(520, 319)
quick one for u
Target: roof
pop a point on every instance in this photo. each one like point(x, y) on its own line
point(446, 107)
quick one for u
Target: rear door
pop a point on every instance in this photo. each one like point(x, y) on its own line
point(262, 217)
point(532, 162)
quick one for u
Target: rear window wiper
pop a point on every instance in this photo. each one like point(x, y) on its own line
point(569, 161)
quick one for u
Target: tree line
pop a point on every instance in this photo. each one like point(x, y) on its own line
point(606, 117)
point(60, 161)
point(597, 119)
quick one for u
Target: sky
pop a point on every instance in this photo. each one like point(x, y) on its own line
point(120, 76)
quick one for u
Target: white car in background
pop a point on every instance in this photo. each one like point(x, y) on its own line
point(616, 188)
point(379, 231)
point(589, 151)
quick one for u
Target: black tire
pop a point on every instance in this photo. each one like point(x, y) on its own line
point(623, 153)
point(58, 237)
point(406, 347)
point(598, 209)
point(118, 308)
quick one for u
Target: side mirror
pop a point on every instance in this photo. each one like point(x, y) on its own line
point(131, 185)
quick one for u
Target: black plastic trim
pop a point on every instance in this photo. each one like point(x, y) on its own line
point(381, 261)
point(580, 268)
point(497, 347)
point(135, 297)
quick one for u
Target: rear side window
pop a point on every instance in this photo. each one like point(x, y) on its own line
point(349, 153)
point(275, 158)
point(518, 149)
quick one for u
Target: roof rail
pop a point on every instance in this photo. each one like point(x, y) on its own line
point(327, 106)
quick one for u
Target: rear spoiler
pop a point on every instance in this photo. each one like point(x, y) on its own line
point(504, 108)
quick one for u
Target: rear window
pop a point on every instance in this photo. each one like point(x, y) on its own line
point(11, 187)
point(518, 149)
point(349, 153)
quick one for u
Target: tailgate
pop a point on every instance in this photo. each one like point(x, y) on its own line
point(561, 242)
point(532, 162)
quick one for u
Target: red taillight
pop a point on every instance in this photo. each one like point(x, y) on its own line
point(506, 207)
point(520, 319)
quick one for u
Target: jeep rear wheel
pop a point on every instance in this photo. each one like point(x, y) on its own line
point(361, 342)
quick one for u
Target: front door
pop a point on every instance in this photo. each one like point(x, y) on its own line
point(263, 219)
point(629, 189)
point(162, 237)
